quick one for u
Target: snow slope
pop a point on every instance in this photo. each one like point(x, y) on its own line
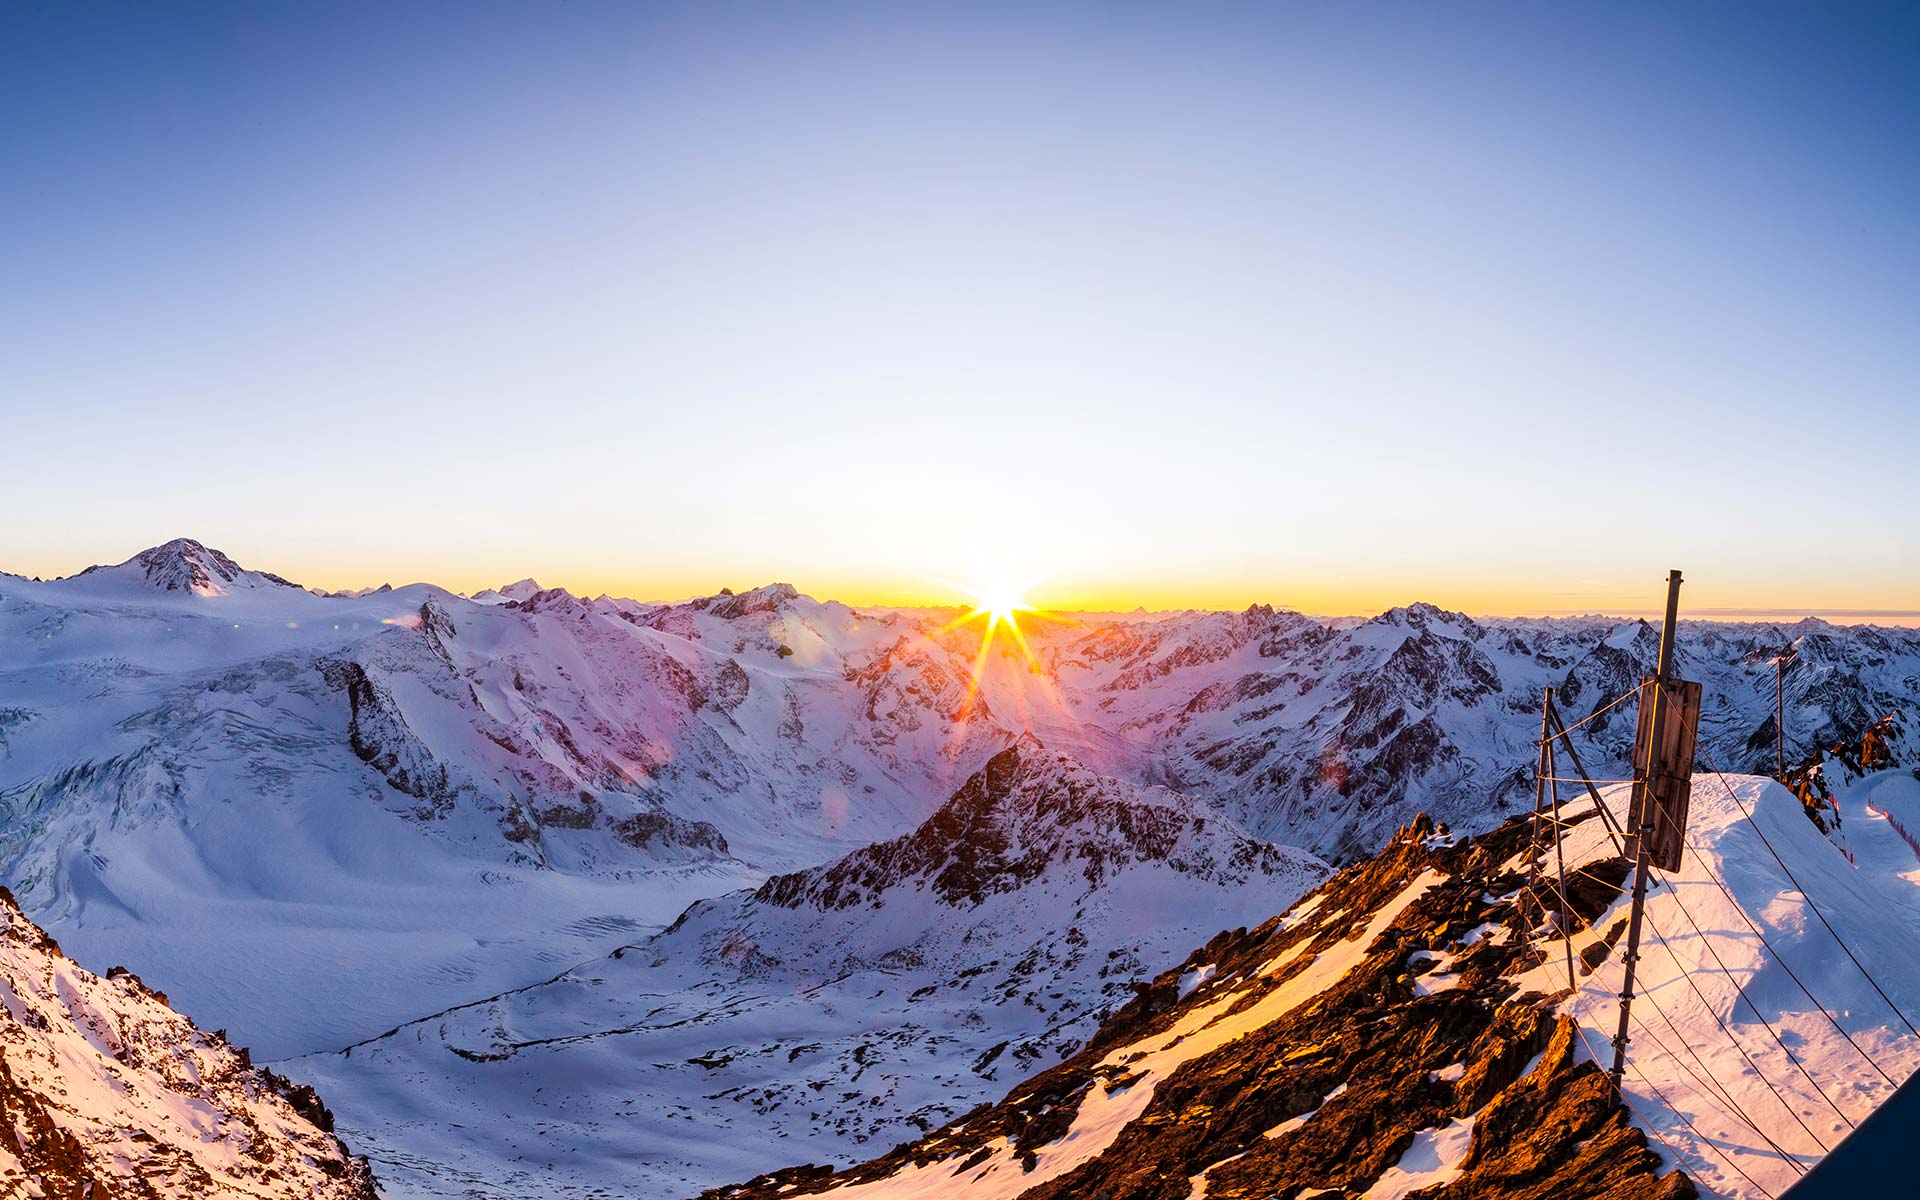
point(1716, 961)
point(106, 1091)
point(831, 1012)
point(192, 783)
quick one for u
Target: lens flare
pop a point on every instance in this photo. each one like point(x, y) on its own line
point(1000, 605)
point(998, 608)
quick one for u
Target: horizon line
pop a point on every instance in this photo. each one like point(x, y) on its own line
point(1725, 614)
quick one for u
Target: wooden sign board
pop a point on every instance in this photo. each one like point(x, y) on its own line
point(1664, 773)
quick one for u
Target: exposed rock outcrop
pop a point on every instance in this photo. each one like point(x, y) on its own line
point(106, 1092)
point(1317, 1052)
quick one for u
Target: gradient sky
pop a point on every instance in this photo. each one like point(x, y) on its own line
point(1505, 306)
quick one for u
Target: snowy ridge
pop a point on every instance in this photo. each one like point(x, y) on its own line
point(1332, 734)
point(1704, 965)
point(1408, 1026)
point(234, 785)
point(833, 1012)
point(1026, 814)
point(104, 1090)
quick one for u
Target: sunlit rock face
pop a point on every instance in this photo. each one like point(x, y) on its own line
point(106, 1091)
point(1351, 1039)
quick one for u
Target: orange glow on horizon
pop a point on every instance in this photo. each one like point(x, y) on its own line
point(1337, 588)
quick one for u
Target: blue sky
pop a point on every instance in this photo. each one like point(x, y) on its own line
point(1510, 307)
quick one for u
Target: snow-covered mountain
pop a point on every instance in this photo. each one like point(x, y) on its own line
point(524, 589)
point(106, 1091)
point(1414, 1023)
point(1332, 734)
point(405, 800)
point(182, 565)
point(247, 784)
point(828, 1013)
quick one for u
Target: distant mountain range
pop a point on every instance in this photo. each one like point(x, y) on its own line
point(317, 818)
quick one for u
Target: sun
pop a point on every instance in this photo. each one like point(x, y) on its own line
point(995, 608)
point(999, 608)
point(1001, 605)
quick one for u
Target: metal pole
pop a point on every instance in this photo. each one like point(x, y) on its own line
point(1559, 850)
point(1780, 709)
point(1666, 634)
point(1540, 772)
point(1643, 814)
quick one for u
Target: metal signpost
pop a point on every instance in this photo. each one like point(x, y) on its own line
point(1662, 783)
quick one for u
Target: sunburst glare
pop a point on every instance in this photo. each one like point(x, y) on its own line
point(996, 608)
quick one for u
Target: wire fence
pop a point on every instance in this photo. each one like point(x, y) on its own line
point(1712, 1092)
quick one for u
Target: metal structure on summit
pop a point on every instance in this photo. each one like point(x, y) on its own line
point(1662, 783)
point(1653, 839)
point(1655, 832)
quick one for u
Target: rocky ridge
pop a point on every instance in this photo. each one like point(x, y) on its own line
point(1428, 1023)
point(1331, 1041)
point(105, 1092)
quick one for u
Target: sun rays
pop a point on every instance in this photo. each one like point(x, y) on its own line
point(994, 607)
point(998, 608)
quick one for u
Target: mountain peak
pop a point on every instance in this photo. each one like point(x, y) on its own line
point(524, 589)
point(770, 598)
point(1423, 617)
point(1027, 813)
point(186, 565)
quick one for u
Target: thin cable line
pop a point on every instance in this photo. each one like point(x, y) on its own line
point(1708, 943)
point(1617, 700)
point(1824, 1010)
point(1777, 956)
point(1666, 944)
point(1707, 1005)
point(1705, 1140)
point(1678, 1158)
point(1705, 1093)
point(1710, 1087)
point(1721, 1098)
